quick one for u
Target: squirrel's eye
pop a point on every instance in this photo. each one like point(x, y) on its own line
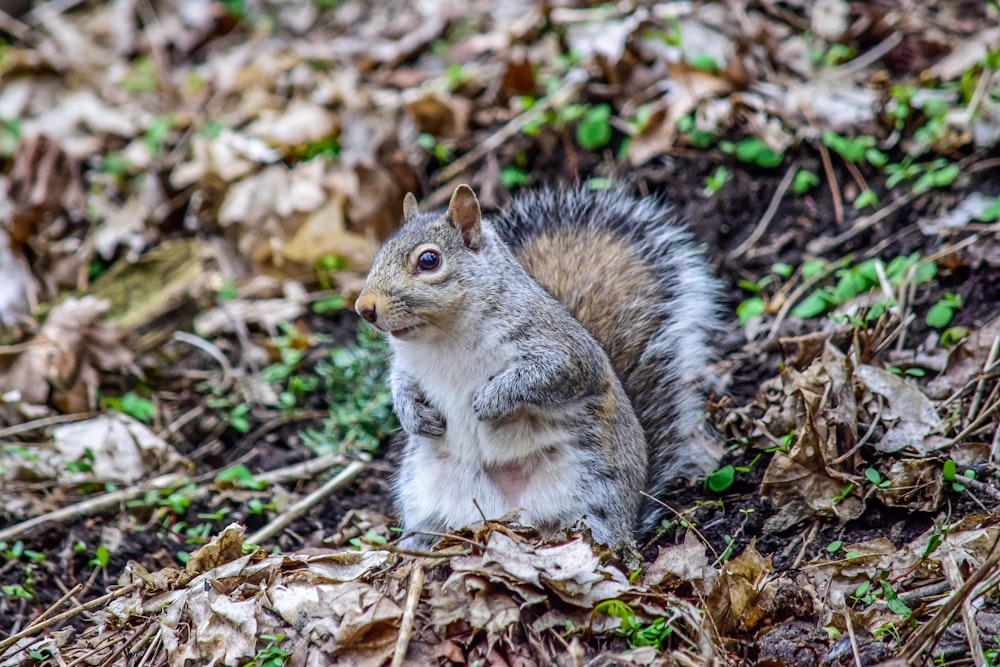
point(428, 260)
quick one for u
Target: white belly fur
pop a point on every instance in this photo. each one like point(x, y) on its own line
point(452, 471)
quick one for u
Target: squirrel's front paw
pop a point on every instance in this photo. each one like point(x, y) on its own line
point(486, 404)
point(424, 420)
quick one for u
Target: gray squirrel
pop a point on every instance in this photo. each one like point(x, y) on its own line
point(548, 359)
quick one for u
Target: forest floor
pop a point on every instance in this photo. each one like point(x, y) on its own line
point(195, 433)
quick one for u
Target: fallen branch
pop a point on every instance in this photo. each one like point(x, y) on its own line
point(281, 521)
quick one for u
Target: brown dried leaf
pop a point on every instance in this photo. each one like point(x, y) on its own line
point(803, 482)
point(60, 364)
point(733, 602)
point(687, 563)
point(911, 418)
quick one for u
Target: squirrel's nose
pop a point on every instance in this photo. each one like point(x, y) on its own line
point(365, 307)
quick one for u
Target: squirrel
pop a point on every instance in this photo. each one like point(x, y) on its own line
point(547, 359)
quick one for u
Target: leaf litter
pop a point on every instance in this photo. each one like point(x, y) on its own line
point(163, 152)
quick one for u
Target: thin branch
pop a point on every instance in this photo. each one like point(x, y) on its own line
point(283, 520)
point(416, 587)
point(75, 611)
point(765, 220)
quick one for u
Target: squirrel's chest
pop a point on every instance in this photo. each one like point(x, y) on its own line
point(449, 380)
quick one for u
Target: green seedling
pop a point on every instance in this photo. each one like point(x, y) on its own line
point(867, 199)
point(715, 182)
point(750, 308)
point(353, 382)
point(594, 129)
point(721, 479)
point(698, 138)
point(704, 62)
point(256, 506)
point(370, 537)
point(949, 472)
point(326, 148)
point(842, 496)
point(951, 336)
point(514, 177)
point(991, 213)
point(101, 557)
point(753, 150)
point(240, 477)
point(84, 464)
point(656, 634)
point(875, 477)
point(942, 312)
point(441, 152)
point(804, 181)
point(271, 655)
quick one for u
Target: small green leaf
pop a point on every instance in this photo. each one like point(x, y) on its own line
point(866, 199)
point(811, 306)
point(140, 408)
point(812, 268)
point(991, 212)
point(940, 315)
point(926, 272)
point(594, 130)
point(898, 607)
point(704, 62)
point(951, 336)
point(782, 269)
point(948, 470)
point(514, 177)
point(835, 546)
point(721, 479)
point(750, 309)
point(873, 475)
point(804, 181)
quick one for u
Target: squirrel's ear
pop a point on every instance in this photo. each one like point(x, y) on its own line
point(409, 207)
point(463, 213)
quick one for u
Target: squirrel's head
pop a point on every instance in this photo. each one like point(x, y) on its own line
point(419, 280)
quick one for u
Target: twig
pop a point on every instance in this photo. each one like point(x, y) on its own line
point(96, 602)
point(864, 60)
point(573, 84)
point(58, 603)
point(108, 500)
point(867, 436)
point(995, 447)
point(954, 577)
point(765, 219)
point(18, 29)
point(974, 426)
point(36, 424)
point(831, 181)
point(90, 506)
point(280, 522)
point(854, 640)
point(794, 297)
point(810, 536)
point(409, 613)
point(978, 396)
point(822, 245)
point(212, 351)
point(927, 635)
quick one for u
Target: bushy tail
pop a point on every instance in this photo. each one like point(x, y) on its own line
point(633, 277)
